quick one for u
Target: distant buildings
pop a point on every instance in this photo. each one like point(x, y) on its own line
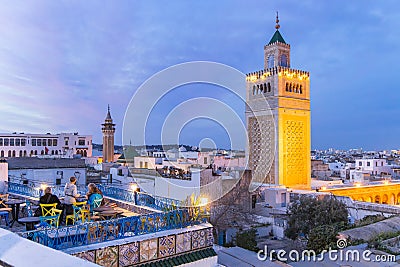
point(63, 145)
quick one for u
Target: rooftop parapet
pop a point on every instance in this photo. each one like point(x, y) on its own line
point(280, 71)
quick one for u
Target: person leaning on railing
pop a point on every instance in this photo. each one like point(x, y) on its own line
point(71, 193)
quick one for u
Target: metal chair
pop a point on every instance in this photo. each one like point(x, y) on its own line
point(3, 206)
point(81, 213)
point(52, 220)
point(48, 209)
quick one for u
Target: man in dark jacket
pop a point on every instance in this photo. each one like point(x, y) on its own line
point(48, 198)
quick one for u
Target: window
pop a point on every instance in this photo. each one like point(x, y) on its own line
point(205, 160)
point(13, 153)
point(35, 152)
point(368, 163)
point(1, 141)
point(25, 154)
point(44, 142)
point(54, 142)
point(9, 153)
point(2, 154)
point(271, 61)
point(287, 87)
point(301, 90)
point(33, 142)
point(254, 89)
point(6, 141)
point(20, 153)
point(269, 87)
point(17, 142)
point(11, 141)
point(81, 142)
point(284, 62)
point(66, 142)
point(23, 142)
point(56, 152)
point(360, 163)
point(39, 142)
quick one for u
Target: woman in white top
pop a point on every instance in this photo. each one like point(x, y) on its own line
point(71, 193)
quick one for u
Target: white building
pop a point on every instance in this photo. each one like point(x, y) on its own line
point(46, 170)
point(64, 145)
point(373, 166)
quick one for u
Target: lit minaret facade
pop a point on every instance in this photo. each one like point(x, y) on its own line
point(108, 130)
point(278, 119)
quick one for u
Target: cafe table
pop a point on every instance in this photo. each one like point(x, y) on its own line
point(15, 205)
point(29, 222)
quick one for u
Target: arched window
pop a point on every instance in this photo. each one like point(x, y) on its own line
point(9, 153)
point(13, 153)
point(271, 61)
point(35, 152)
point(261, 89)
point(42, 152)
point(258, 89)
point(56, 152)
point(290, 87)
point(254, 89)
point(2, 154)
point(20, 153)
point(52, 152)
point(284, 62)
point(25, 153)
point(297, 88)
point(287, 87)
point(301, 90)
point(269, 87)
point(85, 153)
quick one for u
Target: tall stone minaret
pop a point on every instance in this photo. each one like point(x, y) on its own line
point(278, 119)
point(108, 130)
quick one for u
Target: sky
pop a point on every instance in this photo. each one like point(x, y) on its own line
point(63, 62)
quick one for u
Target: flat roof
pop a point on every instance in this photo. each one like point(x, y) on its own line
point(44, 163)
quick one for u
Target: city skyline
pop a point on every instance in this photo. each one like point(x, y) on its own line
point(62, 63)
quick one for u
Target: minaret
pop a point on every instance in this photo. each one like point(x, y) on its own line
point(278, 119)
point(108, 130)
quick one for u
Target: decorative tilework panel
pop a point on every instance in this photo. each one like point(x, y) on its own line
point(198, 239)
point(128, 254)
point(166, 246)
point(209, 237)
point(148, 250)
point(107, 256)
point(86, 255)
point(183, 242)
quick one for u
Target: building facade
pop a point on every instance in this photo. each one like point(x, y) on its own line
point(64, 145)
point(108, 130)
point(278, 119)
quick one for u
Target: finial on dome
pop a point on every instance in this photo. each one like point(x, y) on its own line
point(277, 26)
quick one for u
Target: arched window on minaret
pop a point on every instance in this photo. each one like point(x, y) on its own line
point(270, 61)
point(269, 87)
point(258, 89)
point(287, 87)
point(284, 62)
point(254, 90)
point(261, 88)
point(301, 90)
point(290, 87)
point(297, 88)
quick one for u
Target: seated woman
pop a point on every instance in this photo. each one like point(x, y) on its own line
point(94, 196)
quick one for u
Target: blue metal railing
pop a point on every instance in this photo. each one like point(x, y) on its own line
point(97, 232)
point(36, 192)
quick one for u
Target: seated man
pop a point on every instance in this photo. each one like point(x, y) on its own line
point(94, 196)
point(48, 198)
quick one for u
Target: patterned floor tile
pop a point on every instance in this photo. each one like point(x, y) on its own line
point(209, 237)
point(166, 246)
point(198, 239)
point(183, 242)
point(86, 255)
point(107, 256)
point(148, 250)
point(128, 254)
